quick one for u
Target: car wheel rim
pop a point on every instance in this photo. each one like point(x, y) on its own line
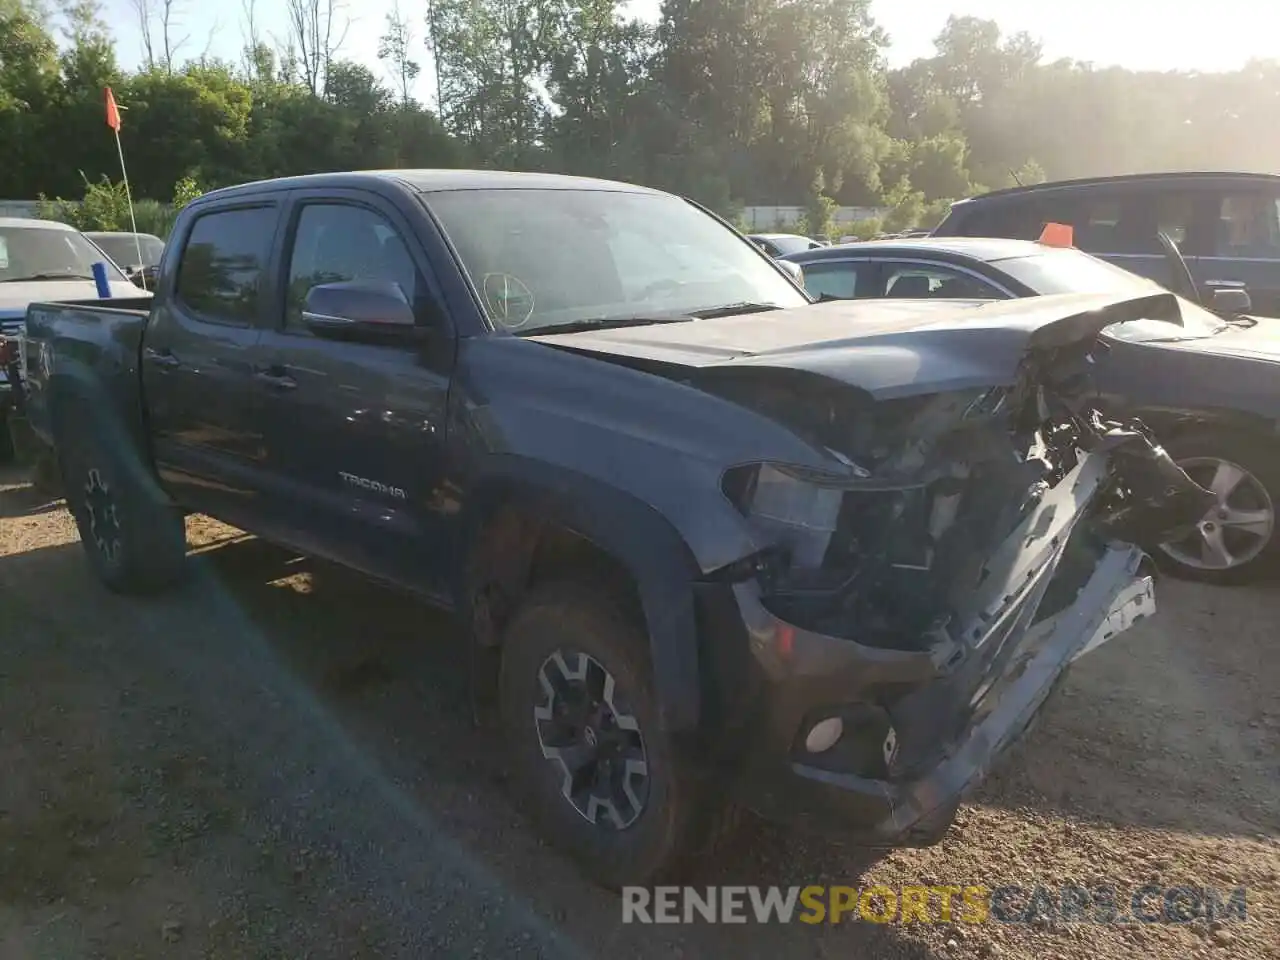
point(104, 524)
point(1237, 528)
point(592, 740)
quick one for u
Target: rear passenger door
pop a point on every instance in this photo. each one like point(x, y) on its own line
point(356, 431)
point(204, 409)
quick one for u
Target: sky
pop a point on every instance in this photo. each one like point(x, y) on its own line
point(1139, 34)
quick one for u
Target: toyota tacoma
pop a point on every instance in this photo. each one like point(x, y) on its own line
point(715, 545)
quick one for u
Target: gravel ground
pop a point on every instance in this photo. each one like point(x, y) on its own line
point(277, 761)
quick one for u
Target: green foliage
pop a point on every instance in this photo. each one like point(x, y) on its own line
point(105, 207)
point(863, 229)
point(751, 101)
point(184, 191)
point(906, 207)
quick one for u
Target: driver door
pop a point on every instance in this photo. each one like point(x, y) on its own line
point(356, 431)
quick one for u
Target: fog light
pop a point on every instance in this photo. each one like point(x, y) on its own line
point(824, 734)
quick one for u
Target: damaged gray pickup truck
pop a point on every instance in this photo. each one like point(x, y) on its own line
point(715, 545)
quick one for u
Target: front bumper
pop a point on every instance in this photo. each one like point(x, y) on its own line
point(921, 727)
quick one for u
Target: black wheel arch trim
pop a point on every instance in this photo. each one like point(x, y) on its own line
point(635, 534)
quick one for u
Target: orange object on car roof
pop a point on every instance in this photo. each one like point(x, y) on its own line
point(1057, 235)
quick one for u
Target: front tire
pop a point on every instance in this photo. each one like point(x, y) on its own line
point(604, 782)
point(1237, 539)
point(133, 537)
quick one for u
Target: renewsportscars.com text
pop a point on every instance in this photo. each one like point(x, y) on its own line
point(942, 903)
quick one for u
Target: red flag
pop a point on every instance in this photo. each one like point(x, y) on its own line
point(113, 112)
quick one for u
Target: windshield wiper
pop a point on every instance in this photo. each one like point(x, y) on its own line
point(603, 323)
point(46, 276)
point(733, 310)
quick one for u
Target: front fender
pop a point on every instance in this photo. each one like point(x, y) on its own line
point(634, 534)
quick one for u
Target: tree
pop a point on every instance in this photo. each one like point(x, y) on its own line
point(492, 57)
point(317, 30)
point(396, 48)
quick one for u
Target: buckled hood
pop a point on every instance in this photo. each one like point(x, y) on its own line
point(892, 349)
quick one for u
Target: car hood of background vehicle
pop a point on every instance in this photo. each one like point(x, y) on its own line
point(887, 348)
point(14, 297)
point(1259, 342)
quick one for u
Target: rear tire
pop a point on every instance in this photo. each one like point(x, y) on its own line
point(134, 538)
point(575, 679)
point(1253, 463)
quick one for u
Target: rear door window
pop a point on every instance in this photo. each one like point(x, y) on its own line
point(223, 264)
point(842, 279)
point(1248, 227)
point(937, 282)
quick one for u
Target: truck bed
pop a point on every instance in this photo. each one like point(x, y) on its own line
point(95, 342)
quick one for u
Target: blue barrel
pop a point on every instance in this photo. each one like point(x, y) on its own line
point(100, 278)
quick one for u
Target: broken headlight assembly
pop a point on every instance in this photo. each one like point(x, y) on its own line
point(789, 507)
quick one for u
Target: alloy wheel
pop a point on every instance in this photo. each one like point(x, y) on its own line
point(104, 524)
point(592, 739)
point(1237, 528)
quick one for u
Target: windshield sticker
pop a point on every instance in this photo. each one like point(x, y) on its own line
point(4, 254)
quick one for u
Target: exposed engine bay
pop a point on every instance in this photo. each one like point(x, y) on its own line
point(903, 542)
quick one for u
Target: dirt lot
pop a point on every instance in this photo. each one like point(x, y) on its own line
point(277, 761)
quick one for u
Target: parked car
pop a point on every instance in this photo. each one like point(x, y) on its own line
point(39, 260)
point(780, 244)
point(1207, 384)
point(710, 545)
point(1227, 225)
point(138, 254)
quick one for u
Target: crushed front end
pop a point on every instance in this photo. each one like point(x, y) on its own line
point(911, 610)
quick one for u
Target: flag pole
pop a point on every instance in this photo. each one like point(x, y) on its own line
point(133, 221)
point(113, 121)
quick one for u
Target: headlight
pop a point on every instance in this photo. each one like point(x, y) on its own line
point(788, 510)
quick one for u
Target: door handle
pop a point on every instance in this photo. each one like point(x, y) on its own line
point(275, 377)
point(162, 358)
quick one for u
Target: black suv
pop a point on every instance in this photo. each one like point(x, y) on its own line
point(1227, 225)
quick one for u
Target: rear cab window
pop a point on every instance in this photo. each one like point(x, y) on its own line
point(223, 263)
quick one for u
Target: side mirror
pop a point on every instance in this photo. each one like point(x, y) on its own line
point(358, 308)
point(1231, 300)
point(794, 270)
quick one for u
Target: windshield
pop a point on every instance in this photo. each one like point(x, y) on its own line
point(1073, 271)
point(541, 259)
point(123, 248)
point(44, 253)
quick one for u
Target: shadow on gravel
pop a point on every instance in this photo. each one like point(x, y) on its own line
point(19, 499)
point(391, 668)
point(1167, 727)
point(338, 780)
